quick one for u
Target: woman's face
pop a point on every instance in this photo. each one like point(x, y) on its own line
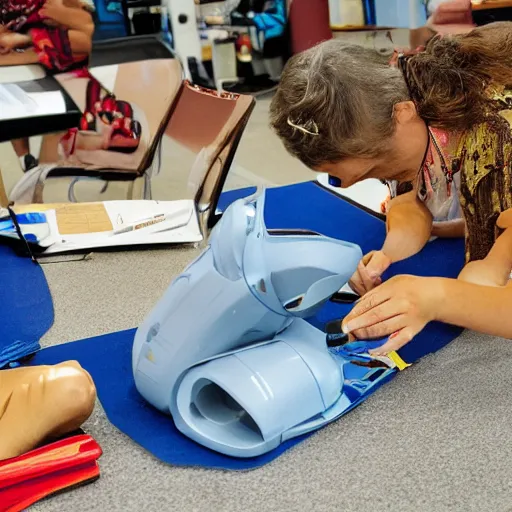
point(401, 162)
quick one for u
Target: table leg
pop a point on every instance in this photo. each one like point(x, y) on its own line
point(4, 201)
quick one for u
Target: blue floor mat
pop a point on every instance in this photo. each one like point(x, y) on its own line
point(27, 307)
point(308, 206)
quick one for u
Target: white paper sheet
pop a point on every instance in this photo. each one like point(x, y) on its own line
point(15, 103)
point(17, 74)
point(368, 193)
point(181, 214)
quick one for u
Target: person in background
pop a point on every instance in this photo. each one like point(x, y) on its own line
point(55, 33)
point(446, 17)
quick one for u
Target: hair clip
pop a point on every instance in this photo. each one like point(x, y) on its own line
point(303, 129)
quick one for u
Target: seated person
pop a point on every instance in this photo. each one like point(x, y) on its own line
point(447, 17)
point(55, 33)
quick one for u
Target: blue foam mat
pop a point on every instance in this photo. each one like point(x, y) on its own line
point(308, 206)
point(27, 307)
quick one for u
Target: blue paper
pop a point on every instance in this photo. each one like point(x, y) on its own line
point(27, 307)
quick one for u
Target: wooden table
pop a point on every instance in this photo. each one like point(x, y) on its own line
point(33, 107)
point(491, 4)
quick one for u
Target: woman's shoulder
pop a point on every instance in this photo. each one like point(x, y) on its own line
point(485, 148)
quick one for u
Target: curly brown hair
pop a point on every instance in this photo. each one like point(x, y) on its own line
point(336, 100)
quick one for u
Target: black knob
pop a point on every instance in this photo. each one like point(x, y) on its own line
point(183, 18)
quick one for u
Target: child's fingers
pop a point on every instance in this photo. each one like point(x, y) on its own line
point(368, 257)
point(381, 321)
point(377, 265)
point(356, 283)
point(365, 277)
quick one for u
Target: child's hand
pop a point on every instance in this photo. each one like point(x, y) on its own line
point(401, 307)
point(369, 272)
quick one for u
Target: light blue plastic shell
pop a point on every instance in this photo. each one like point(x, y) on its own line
point(226, 351)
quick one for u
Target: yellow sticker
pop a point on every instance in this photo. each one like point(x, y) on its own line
point(400, 363)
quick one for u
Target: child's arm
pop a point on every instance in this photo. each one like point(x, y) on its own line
point(29, 56)
point(409, 227)
point(449, 229)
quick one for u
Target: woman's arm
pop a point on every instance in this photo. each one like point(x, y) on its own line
point(409, 226)
point(482, 308)
point(449, 229)
point(401, 307)
point(480, 299)
point(81, 43)
point(28, 56)
point(75, 18)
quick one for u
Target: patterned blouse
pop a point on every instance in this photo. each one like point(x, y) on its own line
point(469, 175)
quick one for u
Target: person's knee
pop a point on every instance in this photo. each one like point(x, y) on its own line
point(72, 390)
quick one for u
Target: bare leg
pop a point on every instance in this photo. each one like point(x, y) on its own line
point(40, 403)
point(29, 56)
point(22, 149)
point(49, 153)
point(21, 146)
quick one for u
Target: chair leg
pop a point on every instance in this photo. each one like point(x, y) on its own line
point(71, 191)
point(147, 187)
point(136, 189)
point(140, 188)
point(38, 193)
point(131, 190)
point(4, 201)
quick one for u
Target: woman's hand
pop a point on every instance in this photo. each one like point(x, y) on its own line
point(369, 272)
point(52, 9)
point(401, 307)
point(12, 40)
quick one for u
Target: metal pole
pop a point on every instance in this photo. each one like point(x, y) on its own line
point(185, 35)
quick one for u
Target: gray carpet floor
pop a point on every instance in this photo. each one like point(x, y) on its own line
point(437, 438)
